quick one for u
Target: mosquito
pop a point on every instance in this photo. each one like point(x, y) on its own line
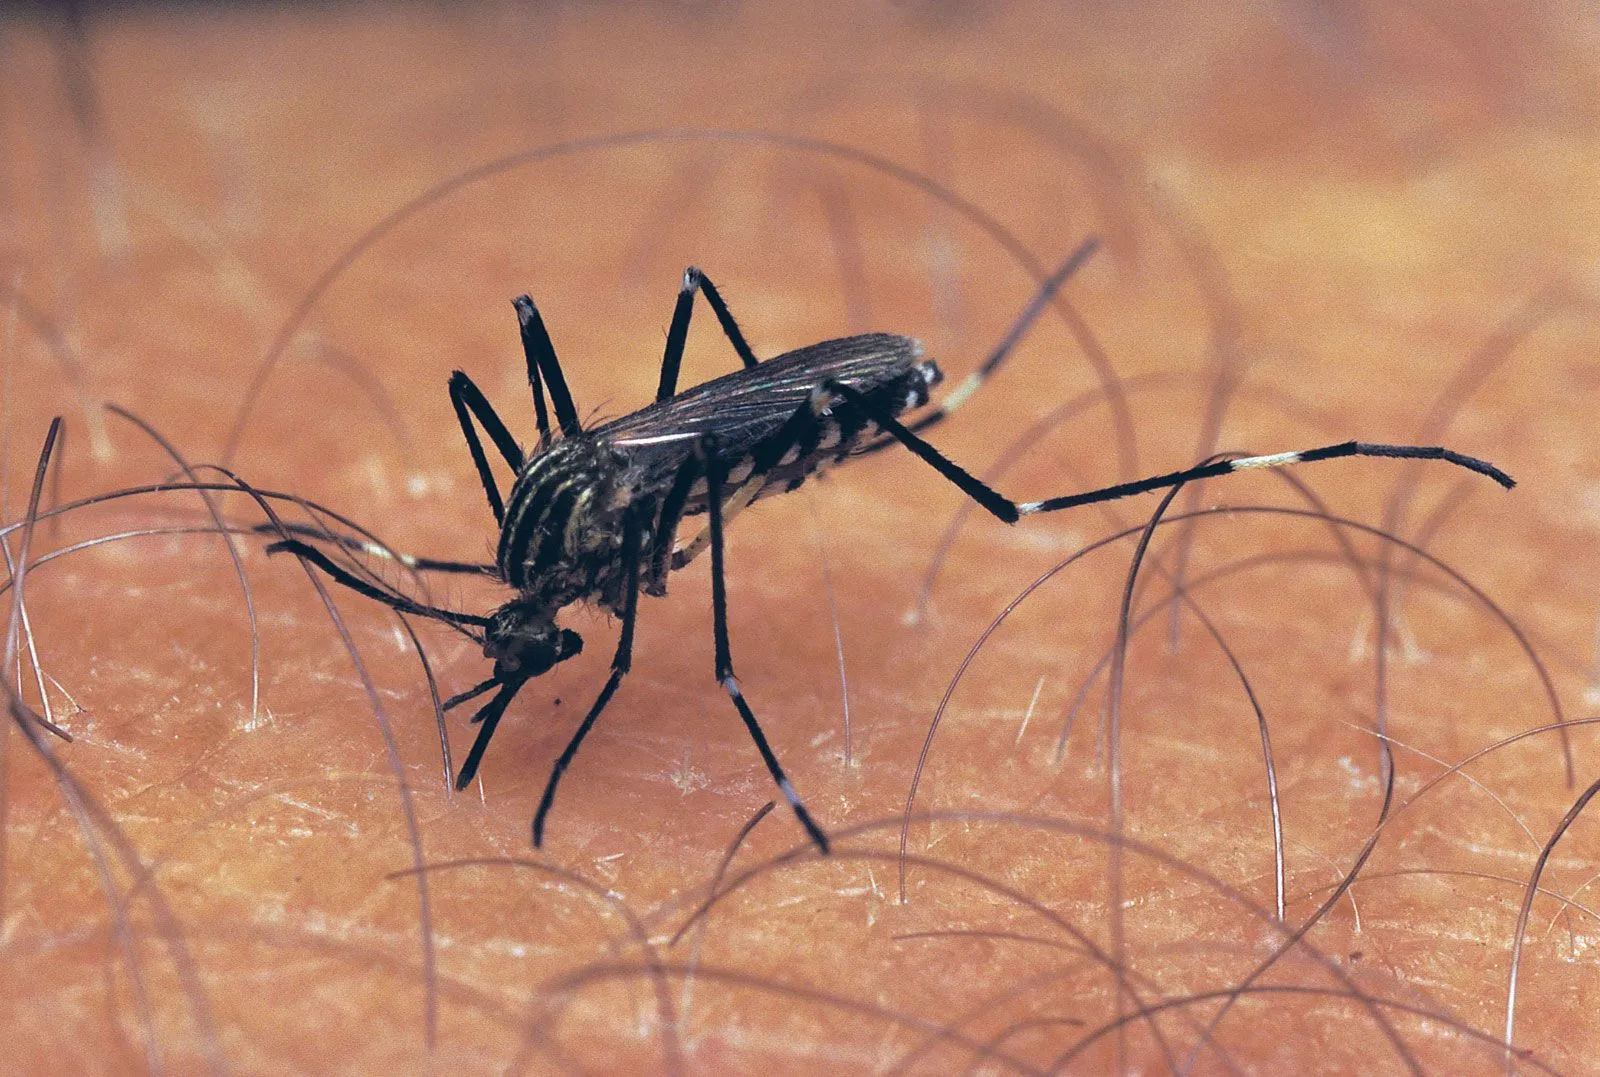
point(593, 515)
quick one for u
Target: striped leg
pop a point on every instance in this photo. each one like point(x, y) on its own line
point(666, 531)
point(469, 402)
point(620, 663)
point(374, 549)
point(544, 369)
point(307, 552)
point(678, 333)
point(1010, 511)
point(1002, 351)
point(725, 675)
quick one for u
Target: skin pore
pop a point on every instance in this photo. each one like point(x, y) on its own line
point(1317, 224)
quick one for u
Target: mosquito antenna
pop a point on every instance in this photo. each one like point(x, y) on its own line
point(542, 360)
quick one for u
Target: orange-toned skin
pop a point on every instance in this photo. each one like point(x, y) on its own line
point(1348, 208)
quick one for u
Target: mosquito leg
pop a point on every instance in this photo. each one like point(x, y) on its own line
point(542, 360)
point(1010, 511)
point(469, 401)
point(724, 669)
point(696, 281)
point(532, 350)
point(1002, 351)
point(362, 587)
point(434, 564)
point(632, 528)
point(355, 545)
point(666, 530)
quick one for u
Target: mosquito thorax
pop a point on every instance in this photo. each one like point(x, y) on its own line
point(563, 525)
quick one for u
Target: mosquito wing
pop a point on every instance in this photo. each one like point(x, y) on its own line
point(746, 407)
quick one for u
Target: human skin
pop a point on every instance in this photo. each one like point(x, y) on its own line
point(1337, 223)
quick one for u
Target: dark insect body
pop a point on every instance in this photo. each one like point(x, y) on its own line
point(593, 515)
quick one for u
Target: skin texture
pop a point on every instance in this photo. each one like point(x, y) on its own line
point(1319, 222)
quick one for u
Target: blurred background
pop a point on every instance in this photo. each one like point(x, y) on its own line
point(270, 232)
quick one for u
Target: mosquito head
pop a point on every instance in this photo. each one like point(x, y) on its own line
point(523, 641)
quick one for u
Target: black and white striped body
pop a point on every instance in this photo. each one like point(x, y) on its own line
point(769, 427)
point(563, 527)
